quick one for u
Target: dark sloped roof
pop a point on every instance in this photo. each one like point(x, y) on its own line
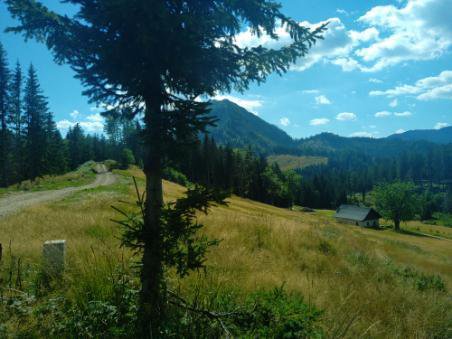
point(356, 213)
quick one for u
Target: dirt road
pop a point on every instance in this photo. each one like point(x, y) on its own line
point(17, 201)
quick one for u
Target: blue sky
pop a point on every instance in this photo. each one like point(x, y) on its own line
point(384, 67)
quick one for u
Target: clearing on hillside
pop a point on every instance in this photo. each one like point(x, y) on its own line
point(292, 162)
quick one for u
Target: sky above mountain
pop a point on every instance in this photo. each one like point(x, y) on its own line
point(383, 67)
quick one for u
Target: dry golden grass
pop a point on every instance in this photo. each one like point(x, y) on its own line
point(345, 270)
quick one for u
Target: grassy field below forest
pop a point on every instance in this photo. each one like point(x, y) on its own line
point(369, 283)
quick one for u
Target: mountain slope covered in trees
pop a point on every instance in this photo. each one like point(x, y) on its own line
point(438, 136)
point(238, 128)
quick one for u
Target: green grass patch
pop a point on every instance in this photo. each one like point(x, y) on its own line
point(84, 175)
point(291, 162)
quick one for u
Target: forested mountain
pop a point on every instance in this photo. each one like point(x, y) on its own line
point(439, 136)
point(239, 128)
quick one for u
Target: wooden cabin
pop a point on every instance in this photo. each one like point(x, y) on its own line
point(359, 216)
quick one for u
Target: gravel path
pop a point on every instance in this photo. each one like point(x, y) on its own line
point(17, 201)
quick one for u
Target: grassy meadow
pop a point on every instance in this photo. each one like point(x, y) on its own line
point(369, 283)
point(291, 162)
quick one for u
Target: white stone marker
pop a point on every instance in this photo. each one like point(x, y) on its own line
point(53, 257)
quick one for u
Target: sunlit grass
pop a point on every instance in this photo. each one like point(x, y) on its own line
point(349, 272)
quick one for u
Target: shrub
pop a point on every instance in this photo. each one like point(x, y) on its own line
point(174, 175)
point(421, 281)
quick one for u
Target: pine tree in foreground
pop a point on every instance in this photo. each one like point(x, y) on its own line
point(157, 58)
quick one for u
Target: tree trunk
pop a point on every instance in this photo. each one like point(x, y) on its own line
point(153, 289)
point(397, 225)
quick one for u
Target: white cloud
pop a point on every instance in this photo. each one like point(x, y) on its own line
point(95, 117)
point(383, 114)
point(403, 114)
point(394, 103)
point(341, 11)
point(319, 122)
point(440, 125)
point(430, 88)
point(250, 105)
point(421, 30)
point(400, 131)
point(322, 100)
point(92, 126)
point(93, 123)
point(310, 91)
point(284, 121)
point(64, 124)
point(411, 31)
point(74, 114)
point(346, 116)
point(362, 134)
point(375, 81)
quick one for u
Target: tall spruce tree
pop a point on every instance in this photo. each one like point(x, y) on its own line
point(158, 57)
point(5, 155)
point(17, 120)
point(35, 112)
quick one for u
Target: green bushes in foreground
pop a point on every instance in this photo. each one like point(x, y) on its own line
point(206, 314)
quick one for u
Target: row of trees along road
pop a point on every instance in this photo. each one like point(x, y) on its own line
point(164, 54)
point(31, 145)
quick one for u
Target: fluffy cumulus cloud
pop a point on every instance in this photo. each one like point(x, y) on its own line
point(319, 122)
point(346, 116)
point(411, 31)
point(251, 105)
point(419, 30)
point(383, 114)
point(338, 42)
point(426, 89)
point(93, 123)
point(440, 125)
point(284, 121)
point(322, 100)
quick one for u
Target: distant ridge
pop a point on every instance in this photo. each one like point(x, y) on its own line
point(239, 128)
point(437, 136)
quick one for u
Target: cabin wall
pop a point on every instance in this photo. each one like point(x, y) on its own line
point(367, 223)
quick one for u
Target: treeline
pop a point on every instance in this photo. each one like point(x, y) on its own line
point(241, 172)
point(31, 145)
point(351, 172)
point(347, 178)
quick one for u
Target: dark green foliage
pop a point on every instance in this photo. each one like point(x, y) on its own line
point(264, 314)
point(183, 247)
point(5, 135)
point(421, 281)
point(174, 175)
point(127, 158)
point(397, 202)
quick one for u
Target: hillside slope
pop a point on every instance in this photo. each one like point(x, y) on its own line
point(369, 283)
point(239, 128)
point(438, 136)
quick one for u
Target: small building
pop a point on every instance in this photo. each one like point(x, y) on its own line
point(359, 216)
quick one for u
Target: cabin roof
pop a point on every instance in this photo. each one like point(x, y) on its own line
point(356, 213)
